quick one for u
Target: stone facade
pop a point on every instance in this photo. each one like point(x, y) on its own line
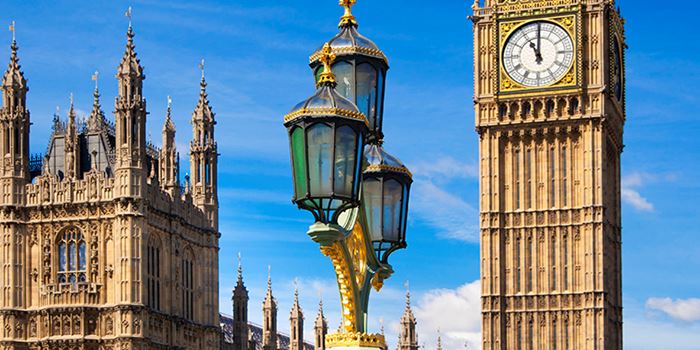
point(550, 181)
point(102, 248)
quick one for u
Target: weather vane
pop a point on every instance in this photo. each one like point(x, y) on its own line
point(128, 15)
point(95, 76)
point(201, 67)
point(12, 29)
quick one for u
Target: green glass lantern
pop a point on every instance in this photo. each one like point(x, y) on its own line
point(360, 70)
point(326, 133)
point(386, 187)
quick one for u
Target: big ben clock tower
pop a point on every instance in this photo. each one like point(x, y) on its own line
point(550, 110)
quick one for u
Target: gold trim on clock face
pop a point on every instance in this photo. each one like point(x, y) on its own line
point(538, 54)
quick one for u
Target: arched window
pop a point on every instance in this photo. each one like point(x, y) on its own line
point(71, 256)
point(153, 273)
point(187, 285)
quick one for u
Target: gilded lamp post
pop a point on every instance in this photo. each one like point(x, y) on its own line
point(356, 191)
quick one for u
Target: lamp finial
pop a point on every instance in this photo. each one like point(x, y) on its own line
point(327, 57)
point(348, 18)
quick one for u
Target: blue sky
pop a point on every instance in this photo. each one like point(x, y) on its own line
point(256, 55)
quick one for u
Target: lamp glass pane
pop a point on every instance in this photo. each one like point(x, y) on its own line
point(299, 162)
point(345, 151)
point(380, 102)
point(317, 73)
point(320, 140)
point(372, 200)
point(367, 91)
point(345, 79)
point(392, 210)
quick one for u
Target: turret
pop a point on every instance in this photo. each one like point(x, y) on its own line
point(296, 326)
point(241, 332)
point(204, 156)
point(96, 120)
point(269, 340)
point(14, 132)
point(130, 115)
point(320, 329)
point(407, 338)
point(168, 159)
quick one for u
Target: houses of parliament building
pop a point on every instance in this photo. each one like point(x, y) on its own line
point(103, 247)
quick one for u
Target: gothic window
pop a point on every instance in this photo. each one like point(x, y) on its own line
point(564, 175)
point(530, 336)
point(17, 151)
point(566, 334)
point(553, 262)
point(207, 172)
point(134, 131)
point(187, 286)
point(566, 263)
point(517, 264)
point(71, 256)
point(554, 334)
point(123, 132)
point(153, 273)
point(552, 178)
point(528, 255)
point(528, 179)
point(516, 175)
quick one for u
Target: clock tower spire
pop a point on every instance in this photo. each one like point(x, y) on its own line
point(550, 111)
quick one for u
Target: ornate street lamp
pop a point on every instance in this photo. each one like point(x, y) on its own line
point(357, 192)
point(360, 69)
point(386, 184)
point(326, 134)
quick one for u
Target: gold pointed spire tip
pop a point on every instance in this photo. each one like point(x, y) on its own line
point(348, 18)
point(327, 56)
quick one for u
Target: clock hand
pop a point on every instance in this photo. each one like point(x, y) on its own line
point(538, 56)
point(539, 43)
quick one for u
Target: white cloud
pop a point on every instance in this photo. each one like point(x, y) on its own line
point(641, 334)
point(450, 214)
point(445, 167)
point(455, 312)
point(630, 192)
point(636, 200)
point(434, 201)
point(687, 310)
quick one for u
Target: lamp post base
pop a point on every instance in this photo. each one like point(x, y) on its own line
point(355, 341)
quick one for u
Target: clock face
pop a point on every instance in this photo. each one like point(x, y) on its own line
point(616, 79)
point(538, 54)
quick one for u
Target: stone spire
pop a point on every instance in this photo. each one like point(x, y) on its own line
point(407, 338)
point(296, 319)
point(204, 156)
point(269, 317)
point(168, 159)
point(71, 144)
point(130, 114)
point(14, 85)
point(320, 329)
point(439, 341)
point(240, 312)
point(96, 120)
point(14, 131)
